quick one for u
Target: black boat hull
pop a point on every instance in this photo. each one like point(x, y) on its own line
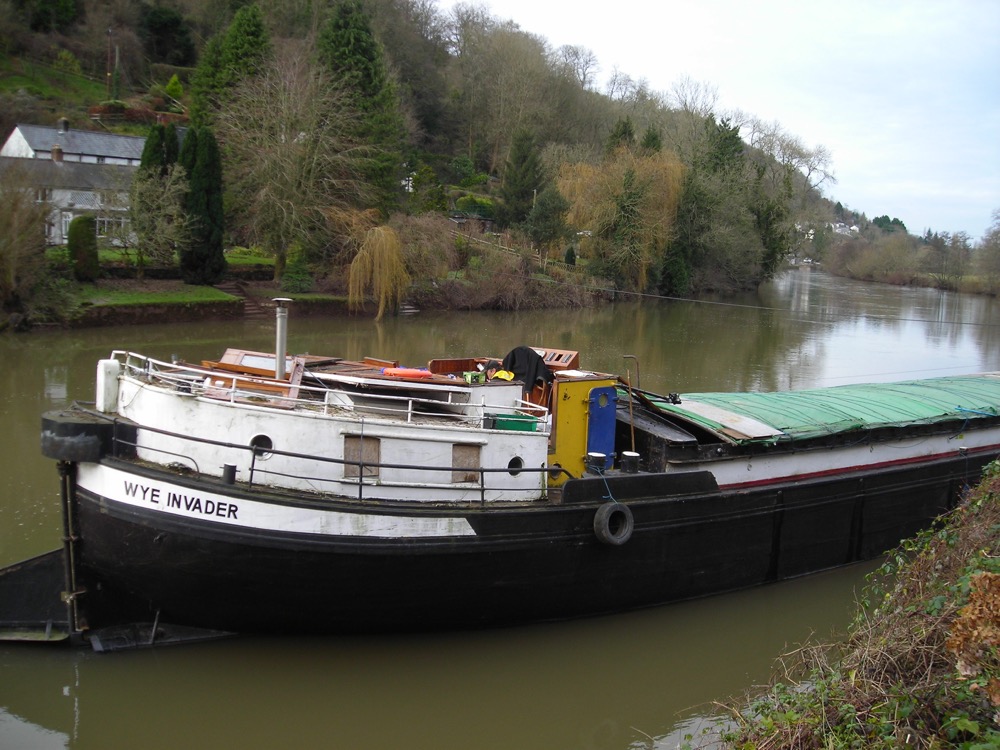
point(523, 563)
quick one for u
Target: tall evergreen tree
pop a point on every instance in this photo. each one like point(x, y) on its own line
point(228, 59)
point(523, 178)
point(202, 261)
point(206, 86)
point(547, 219)
point(245, 46)
point(347, 47)
point(622, 135)
point(171, 146)
point(189, 150)
point(153, 157)
point(652, 141)
point(160, 151)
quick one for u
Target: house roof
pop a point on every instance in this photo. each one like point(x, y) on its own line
point(69, 175)
point(89, 142)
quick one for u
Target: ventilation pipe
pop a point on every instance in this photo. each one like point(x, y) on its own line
point(280, 335)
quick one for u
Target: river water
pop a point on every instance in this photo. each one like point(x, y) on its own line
point(636, 680)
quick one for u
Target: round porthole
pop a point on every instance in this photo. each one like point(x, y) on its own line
point(515, 465)
point(602, 400)
point(262, 445)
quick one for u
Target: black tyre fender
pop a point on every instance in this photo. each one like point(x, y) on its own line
point(613, 523)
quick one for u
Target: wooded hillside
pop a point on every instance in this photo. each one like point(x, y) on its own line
point(333, 116)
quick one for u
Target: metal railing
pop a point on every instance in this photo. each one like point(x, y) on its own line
point(262, 391)
point(124, 448)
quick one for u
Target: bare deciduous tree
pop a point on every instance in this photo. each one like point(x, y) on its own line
point(292, 166)
point(988, 255)
point(579, 62)
point(22, 239)
point(158, 223)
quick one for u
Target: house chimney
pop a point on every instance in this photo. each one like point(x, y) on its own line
point(57, 153)
point(63, 125)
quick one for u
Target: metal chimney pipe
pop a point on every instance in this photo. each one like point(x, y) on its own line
point(280, 335)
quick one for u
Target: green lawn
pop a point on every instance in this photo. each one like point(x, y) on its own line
point(150, 295)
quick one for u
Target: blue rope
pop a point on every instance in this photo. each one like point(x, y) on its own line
point(976, 411)
point(609, 496)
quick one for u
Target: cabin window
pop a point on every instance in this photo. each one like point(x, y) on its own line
point(361, 453)
point(262, 445)
point(465, 459)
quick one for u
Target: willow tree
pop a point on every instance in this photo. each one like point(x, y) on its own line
point(379, 267)
point(628, 204)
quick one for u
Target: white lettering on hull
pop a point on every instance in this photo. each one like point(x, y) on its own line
point(119, 486)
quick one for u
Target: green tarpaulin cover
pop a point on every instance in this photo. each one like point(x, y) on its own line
point(800, 415)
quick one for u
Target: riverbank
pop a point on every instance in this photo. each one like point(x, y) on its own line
point(121, 302)
point(920, 667)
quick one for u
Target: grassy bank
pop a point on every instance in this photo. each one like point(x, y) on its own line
point(920, 667)
point(148, 293)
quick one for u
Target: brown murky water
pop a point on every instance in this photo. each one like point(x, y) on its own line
point(637, 680)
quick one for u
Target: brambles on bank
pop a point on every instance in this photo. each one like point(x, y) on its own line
point(921, 665)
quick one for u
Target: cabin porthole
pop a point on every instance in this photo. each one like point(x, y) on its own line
point(613, 523)
point(262, 445)
point(515, 465)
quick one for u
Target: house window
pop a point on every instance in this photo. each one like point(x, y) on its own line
point(110, 225)
point(465, 459)
point(361, 453)
point(43, 195)
point(67, 217)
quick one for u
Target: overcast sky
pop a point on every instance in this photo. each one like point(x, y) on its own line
point(904, 94)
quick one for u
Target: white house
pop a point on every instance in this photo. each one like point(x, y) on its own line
point(75, 172)
point(73, 189)
point(92, 147)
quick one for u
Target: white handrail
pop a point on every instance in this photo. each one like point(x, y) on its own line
point(264, 391)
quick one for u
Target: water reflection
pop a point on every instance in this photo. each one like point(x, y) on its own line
point(599, 683)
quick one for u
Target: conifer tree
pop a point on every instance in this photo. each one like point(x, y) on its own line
point(622, 134)
point(171, 147)
point(245, 46)
point(202, 260)
point(226, 60)
point(206, 87)
point(153, 158)
point(652, 141)
point(189, 150)
point(523, 178)
point(348, 49)
point(160, 151)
